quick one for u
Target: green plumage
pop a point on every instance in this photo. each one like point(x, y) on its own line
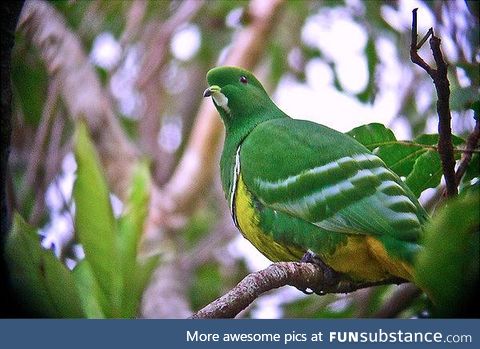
point(301, 186)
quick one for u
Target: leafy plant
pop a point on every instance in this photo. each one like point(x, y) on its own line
point(110, 280)
point(449, 265)
point(418, 161)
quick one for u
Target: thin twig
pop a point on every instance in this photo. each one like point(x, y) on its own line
point(472, 142)
point(442, 86)
point(300, 275)
point(424, 146)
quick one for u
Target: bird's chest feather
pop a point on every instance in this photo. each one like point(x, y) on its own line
point(249, 223)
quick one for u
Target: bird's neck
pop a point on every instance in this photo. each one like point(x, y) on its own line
point(237, 129)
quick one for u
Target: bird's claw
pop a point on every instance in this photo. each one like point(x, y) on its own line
point(331, 277)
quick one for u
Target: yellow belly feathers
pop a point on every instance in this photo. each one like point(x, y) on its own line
point(362, 258)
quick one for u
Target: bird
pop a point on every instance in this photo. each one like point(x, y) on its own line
point(301, 191)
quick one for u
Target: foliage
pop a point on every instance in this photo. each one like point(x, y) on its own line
point(42, 281)
point(418, 161)
point(110, 280)
point(449, 265)
point(94, 288)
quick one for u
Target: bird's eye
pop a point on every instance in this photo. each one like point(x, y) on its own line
point(243, 79)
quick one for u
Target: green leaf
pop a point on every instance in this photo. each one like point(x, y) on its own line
point(42, 281)
point(448, 267)
point(94, 221)
point(141, 277)
point(414, 160)
point(471, 179)
point(426, 173)
point(399, 157)
point(373, 135)
point(130, 229)
point(432, 139)
point(91, 297)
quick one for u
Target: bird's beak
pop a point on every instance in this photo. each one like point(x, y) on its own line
point(211, 90)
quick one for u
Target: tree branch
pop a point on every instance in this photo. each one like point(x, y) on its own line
point(81, 90)
point(472, 142)
point(442, 86)
point(301, 275)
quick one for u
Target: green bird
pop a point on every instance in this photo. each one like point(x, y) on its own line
point(297, 187)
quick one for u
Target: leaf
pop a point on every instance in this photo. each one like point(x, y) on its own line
point(373, 135)
point(130, 229)
point(399, 157)
point(141, 277)
point(471, 179)
point(90, 295)
point(94, 221)
point(448, 266)
point(426, 173)
point(43, 282)
point(432, 139)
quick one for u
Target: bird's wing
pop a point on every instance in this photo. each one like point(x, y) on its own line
point(328, 179)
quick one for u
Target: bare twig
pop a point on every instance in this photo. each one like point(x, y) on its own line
point(301, 275)
point(442, 86)
point(472, 142)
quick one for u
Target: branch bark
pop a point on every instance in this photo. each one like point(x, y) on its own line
point(301, 275)
point(442, 86)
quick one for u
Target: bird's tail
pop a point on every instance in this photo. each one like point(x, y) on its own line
point(395, 266)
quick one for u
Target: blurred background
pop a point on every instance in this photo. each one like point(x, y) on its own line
point(134, 71)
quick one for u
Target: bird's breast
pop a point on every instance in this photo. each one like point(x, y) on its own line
point(249, 222)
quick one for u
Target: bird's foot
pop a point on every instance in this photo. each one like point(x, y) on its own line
point(331, 277)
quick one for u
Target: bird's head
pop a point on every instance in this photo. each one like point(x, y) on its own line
point(237, 95)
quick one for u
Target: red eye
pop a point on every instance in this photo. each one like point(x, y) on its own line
point(243, 79)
